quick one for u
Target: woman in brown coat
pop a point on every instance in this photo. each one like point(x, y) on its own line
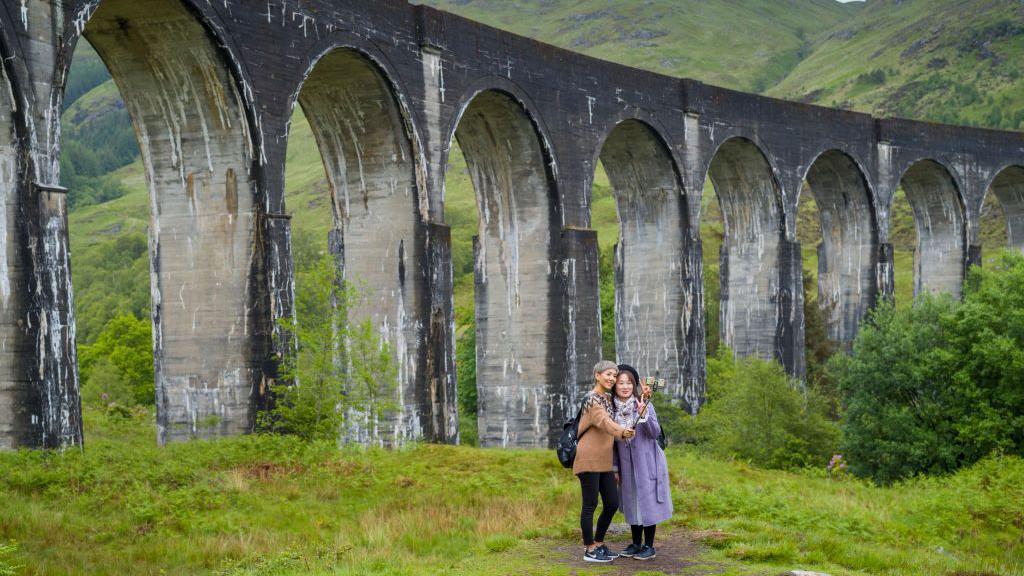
point(593, 463)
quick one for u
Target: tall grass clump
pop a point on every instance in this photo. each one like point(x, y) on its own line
point(7, 567)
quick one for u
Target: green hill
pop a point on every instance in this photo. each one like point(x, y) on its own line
point(944, 60)
point(742, 44)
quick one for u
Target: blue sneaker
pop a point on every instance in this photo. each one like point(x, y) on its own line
point(631, 550)
point(608, 552)
point(596, 555)
point(646, 553)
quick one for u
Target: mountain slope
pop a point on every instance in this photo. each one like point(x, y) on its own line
point(943, 60)
point(741, 44)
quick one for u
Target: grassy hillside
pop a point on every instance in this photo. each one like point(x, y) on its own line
point(265, 505)
point(942, 60)
point(742, 44)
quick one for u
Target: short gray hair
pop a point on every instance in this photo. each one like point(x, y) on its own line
point(605, 365)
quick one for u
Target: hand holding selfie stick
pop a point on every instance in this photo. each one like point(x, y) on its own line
point(650, 385)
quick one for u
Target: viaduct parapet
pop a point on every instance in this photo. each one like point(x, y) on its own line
point(211, 86)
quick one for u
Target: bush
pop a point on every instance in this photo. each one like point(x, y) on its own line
point(342, 375)
point(938, 386)
point(118, 367)
point(756, 412)
point(874, 78)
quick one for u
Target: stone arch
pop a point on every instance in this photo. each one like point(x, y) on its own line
point(650, 253)
point(849, 246)
point(1008, 187)
point(197, 149)
point(369, 160)
point(750, 198)
point(516, 319)
point(941, 247)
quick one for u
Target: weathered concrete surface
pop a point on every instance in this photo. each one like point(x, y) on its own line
point(1008, 186)
point(19, 419)
point(212, 85)
point(649, 289)
point(374, 199)
point(197, 152)
point(749, 269)
point(513, 270)
point(940, 254)
point(39, 404)
point(847, 255)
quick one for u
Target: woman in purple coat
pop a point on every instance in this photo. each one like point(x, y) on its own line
point(644, 499)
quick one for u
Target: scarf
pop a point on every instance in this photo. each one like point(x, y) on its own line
point(625, 411)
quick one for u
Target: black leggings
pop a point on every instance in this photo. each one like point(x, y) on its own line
point(592, 483)
point(646, 531)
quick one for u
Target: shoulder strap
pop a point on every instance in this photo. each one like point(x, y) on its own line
point(579, 416)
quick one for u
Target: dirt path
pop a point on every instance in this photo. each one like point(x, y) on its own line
point(678, 553)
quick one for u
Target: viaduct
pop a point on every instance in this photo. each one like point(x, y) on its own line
point(211, 86)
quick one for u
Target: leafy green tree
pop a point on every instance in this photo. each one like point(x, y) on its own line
point(756, 412)
point(111, 279)
point(935, 387)
point(342, 375)
point(118, 367)
point(818, 347)
point(989, 336)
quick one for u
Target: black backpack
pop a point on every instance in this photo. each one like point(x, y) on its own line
point(662, 439)
point(566, 446)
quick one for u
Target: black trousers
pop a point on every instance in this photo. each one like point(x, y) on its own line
point(646, 531)
point(592, 484)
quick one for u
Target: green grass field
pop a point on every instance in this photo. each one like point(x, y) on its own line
point(272, 505)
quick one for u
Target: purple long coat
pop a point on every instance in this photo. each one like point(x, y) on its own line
point(645, 498)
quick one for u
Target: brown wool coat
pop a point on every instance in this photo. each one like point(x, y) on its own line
point(598, 432)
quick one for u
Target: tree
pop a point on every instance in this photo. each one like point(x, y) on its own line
point(465, 368)
point(118, 367)
point(342, 375)
point(756, 412)
point(938, 386)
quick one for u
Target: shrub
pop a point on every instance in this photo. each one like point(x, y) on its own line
point(762, 415)
point(935, 387)
point(874, 78)
point(342, 374)
point(756, 412)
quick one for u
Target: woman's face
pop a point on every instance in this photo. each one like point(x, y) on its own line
point(624, 386)
point(607, 378)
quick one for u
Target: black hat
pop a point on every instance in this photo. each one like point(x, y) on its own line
point(631, 370)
